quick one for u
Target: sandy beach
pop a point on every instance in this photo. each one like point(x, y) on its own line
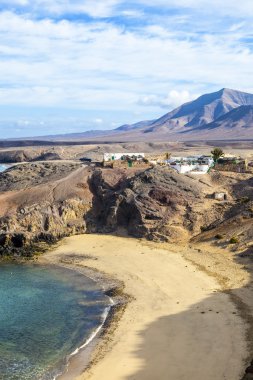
point(179, 323)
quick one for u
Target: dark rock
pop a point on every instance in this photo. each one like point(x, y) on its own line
point(156, 203)
point(48, 156)
point(248, 376)
point(13, 156)
point(250, 369)
point(3, 240)
point(18, 240)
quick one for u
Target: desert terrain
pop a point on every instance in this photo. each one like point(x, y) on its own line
point(27, 151)
point(185, 258)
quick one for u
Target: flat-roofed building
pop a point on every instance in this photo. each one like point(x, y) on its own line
point(191, 164)
point(123, 156)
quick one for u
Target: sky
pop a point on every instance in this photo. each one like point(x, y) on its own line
point(75, 65)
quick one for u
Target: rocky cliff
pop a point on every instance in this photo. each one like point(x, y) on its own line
point(157, 203)
point(42, 202)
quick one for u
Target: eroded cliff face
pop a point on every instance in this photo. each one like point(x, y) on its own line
point(43, 202)
point(157, 204)
point(235, 229)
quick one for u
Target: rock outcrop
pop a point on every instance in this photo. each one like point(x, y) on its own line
point(43, 202)
point(235, 228)
point(13, 156)
point(10, 156)
point(156, 203)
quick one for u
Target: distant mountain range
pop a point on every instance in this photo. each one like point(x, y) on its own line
point(225, 114)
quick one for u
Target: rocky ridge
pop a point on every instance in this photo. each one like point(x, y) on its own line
point(205, 118)
point(44, 202)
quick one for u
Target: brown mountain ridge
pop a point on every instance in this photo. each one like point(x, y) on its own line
point(221, 115)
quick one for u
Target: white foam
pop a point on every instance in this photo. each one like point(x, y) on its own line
point(91, 337)
point(94, 333)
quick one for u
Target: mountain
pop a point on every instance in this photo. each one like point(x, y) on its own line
point(201, 111)
point(195, 119)
point(239, 117)
point(236, 124)
point(225, 114)
point(131, 127)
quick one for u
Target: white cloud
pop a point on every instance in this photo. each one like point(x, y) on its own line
point(173, 99)
point(101, 65)
point(15, 2)
point(98, 8)
point(237, 26)
point(98, 121)
point(101, 8)
point(225, 7)
point(107, 8)
point(22, 123)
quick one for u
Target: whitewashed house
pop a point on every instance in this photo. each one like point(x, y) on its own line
point(182, 167)
point(121, 156)
point(191, 164)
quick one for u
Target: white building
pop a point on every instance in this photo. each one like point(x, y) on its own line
point(121, 156)
point(192, 164)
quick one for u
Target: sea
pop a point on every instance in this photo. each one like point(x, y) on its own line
point(2, 168)
point(46, 314)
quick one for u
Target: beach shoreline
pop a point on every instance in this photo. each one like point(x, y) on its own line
point(85, 356)
point(118, 260)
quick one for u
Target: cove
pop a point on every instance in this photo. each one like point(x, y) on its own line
point(46, 313)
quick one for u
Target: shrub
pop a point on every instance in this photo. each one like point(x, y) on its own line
point(217, 153)
point(244, 200)
point(219, 236)
point(234, 240)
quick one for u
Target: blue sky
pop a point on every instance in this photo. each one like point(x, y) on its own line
point(70, 65)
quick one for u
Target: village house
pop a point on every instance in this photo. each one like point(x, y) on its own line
point(123, 156)
point(220, 196)
point(232, 164)
point(126, 160)
point(191, 164)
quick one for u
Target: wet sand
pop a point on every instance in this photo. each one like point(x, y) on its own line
point(179, 324)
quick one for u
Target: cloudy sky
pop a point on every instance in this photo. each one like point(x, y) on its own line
point(74, 65)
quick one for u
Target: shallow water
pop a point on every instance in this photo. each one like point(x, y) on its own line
point(2, 168)
point(45, 314)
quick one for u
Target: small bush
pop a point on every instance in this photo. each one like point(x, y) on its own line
point(234, 240)
point(219, 236)
point(244, 200)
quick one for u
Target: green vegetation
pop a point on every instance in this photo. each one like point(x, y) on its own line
point(217, 153)
point(244, 200)
point(234, 240)
point(219, 236)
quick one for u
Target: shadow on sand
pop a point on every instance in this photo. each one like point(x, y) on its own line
point(183, 347)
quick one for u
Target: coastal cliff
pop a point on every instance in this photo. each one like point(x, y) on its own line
point(43, 202)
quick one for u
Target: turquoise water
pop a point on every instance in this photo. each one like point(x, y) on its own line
point(2, 168)
point(45, 314)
